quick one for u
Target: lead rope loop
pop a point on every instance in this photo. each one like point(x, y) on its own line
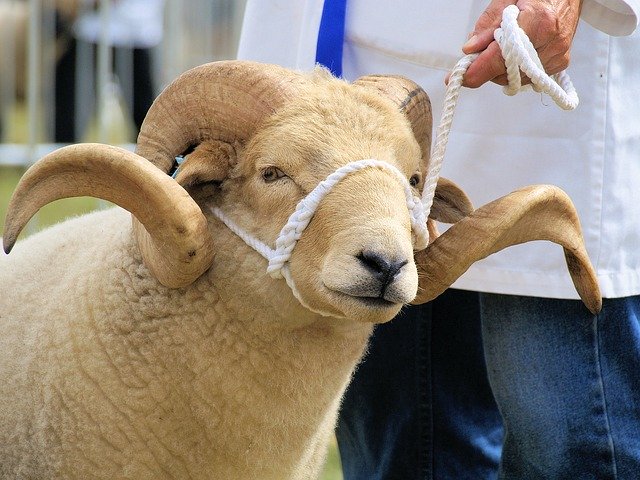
point(519, 54)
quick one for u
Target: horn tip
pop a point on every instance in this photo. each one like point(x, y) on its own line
point(8, 243)
point(12, 229)
point(594, 304)
point(590, 294)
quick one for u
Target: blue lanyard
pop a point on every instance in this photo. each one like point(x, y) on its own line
point(331, 36)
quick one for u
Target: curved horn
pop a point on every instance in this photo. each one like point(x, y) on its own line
point(224, 101)
point(411, 99)
point(220, 101)
point(534, 213)
point(177, 229)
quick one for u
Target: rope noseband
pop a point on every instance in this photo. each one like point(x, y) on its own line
point(299, 220)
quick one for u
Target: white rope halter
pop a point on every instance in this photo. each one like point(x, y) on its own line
point(518, 53)
point(290, 234)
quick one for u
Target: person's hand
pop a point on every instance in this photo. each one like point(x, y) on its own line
point(550, 25)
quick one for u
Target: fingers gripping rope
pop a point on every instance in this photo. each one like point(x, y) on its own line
point(519, 54)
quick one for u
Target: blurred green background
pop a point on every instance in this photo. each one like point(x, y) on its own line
point(14, 123)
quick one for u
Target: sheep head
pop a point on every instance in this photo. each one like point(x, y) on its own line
point(355, 258)
point(256, 139)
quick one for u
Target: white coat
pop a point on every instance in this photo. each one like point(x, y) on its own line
point(500, 143)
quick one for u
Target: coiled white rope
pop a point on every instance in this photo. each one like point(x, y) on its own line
point(519, 54)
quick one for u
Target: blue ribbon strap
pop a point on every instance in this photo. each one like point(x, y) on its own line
point(331, 36)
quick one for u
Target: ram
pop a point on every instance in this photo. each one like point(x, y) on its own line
point(163, 344)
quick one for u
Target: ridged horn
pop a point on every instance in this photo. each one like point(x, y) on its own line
point(173, 220)
point(539, 212)
point(411, 100)
point(222, 101)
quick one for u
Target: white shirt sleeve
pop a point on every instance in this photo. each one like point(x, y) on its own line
point(614, 17)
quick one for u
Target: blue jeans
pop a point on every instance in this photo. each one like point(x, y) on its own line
point(567, 385)
point(420, 406)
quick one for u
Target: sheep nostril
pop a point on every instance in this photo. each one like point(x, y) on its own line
point(383, 269)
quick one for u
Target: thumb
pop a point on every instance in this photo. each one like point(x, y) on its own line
point(487, 23)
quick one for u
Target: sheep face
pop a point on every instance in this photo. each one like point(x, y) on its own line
point(355, 259)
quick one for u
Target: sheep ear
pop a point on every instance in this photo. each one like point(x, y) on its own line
point(209, 163)
point(450, 203)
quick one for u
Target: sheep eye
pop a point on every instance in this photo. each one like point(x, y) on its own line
point(414, 180)
point(271, 174)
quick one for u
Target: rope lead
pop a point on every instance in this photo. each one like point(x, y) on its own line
point(519, 54)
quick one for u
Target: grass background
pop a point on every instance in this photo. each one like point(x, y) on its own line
point(15, 130)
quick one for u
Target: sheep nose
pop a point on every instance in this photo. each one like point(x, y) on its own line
point(383, 269)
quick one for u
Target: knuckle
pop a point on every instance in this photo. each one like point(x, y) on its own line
point(543, 27)
point(562, 63)
point(564, 43)
point(566, 60)
point(489, 16)
point(557, 64)
point(547, 22)
point(492, 15)
point(472, 82)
